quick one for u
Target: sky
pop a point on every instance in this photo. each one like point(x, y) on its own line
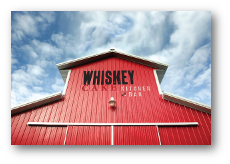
point(40, 40)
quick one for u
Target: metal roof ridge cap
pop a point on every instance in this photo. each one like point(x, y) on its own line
point(185, 99)
point(141, 58)
point(35, 101)
point(78, 59)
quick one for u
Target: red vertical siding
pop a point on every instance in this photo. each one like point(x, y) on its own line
point(92, 106)
point(136, 135)
point(88, 135)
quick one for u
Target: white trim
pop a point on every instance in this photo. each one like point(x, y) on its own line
point(66, 134)
point(157, 81)
point(158, 135)
point(112, 53)
point(66, 83)
point(64, 65)
point(112, 124)
point(112, 135)
point(186, 102)
point(32, 104)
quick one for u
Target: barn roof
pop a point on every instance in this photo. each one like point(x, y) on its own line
point(36, 103)
point(65, 66)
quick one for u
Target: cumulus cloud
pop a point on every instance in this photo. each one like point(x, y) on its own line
point(180, 39)
point(186, 54)
point(13, 60)
point(46, 50)
point(140, 33)
point(37, 89)
point(24, 25)
point(26, 83)
point(29, 51)
point(28, 24)
point(203, 94)
point(203, 78)
point(198, 61)
point(42, 54)
point(58, 85)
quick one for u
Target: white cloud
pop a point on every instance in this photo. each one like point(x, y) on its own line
point(187, 55)
point(46, 50)
point(45, 63)
point(29, 76)
point(141, 33)
point(203, 78)
point(29, 51)
point(23, 25)
point(48, 16)
point(180, 39)
point(34, 70)
point(41, 53)
point(28, 24)
point(23, 80)
point(202, 95)
point(58, 85)
point(198, 61)
point(13, 60)
point(37, 89)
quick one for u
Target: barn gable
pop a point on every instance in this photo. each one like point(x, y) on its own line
point(65, 70)
point(90, 83)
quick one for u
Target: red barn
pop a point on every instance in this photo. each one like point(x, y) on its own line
point(84, 113)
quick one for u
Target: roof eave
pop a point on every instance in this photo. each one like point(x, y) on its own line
point(186, 102)
point(36, 103)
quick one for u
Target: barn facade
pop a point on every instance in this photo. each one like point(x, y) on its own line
point(83, 113)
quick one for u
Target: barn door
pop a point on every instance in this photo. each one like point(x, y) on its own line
point(136, 135)
point(88, 135)
point(102, 135)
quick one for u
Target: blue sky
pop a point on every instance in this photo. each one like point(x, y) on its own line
point(40, 40)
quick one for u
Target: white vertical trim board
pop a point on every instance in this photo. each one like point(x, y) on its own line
point(66, 134)
point(112, 135)
point(158, 135)
point(157, 81)
point(66, 83)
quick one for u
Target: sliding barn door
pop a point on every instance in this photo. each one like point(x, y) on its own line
point(88, 135)
point(136, 135)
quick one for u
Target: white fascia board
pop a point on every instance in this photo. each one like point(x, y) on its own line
point(186, 102)
point(33, 104)
point(68, 64)
point(112, 53)
point(112, 124)
point(66, 82)
point(157, 82)
point(91, 58)
point(162, 65)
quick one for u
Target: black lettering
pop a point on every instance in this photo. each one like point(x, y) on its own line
point(123, 77)
point(131, 76)
point(96, 77)
point(87, 77)
point(109, 79)
point(116, 77)
point(102, 77)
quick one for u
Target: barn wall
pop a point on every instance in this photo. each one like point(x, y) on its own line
point(92, 106)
